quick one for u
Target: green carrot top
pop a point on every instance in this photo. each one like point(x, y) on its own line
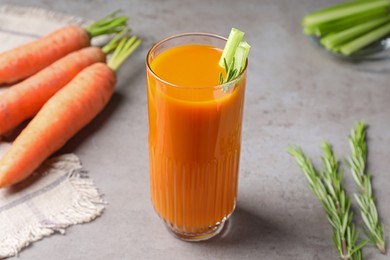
point(109, 24)
point(124, 47)
point(121, 46)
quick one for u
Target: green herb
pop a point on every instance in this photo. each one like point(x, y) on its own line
point(327, 187)
point(123, 50)
point(233, 58)
point(350, 26)
point(231, 73)
point(357, 162)
point(111, 46)
point(107, 25)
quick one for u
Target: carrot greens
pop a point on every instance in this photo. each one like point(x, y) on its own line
point(124, 49)
point(111, 23)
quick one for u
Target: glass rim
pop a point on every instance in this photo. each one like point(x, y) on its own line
point(158, 43)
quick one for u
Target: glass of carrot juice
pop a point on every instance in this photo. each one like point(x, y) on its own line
point(194, 134)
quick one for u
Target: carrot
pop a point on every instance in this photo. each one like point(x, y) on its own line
point(28, 59)
point(69, 110)
point(23, 100)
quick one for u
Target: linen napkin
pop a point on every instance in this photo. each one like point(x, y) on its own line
point(59, 194)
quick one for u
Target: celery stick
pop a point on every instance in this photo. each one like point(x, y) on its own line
point(233, 57)
point(241, 55)
point(336, 39)
point(342, 24)
point(309, 31)
point(345, 4)
point(232, 43)
point(342, 11)
point(365, 40)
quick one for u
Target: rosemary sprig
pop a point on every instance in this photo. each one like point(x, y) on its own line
point(231, 73)
point(327, 187)
point(357, 163)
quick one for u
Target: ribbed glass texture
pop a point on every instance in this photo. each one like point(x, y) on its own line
point(194, 146)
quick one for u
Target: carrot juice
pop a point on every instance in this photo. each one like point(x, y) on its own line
point(194, 135)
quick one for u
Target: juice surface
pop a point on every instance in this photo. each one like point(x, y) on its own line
point(194, 138)
point(189, 66)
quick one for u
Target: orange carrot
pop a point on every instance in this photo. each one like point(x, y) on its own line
point(23, 100)
point(59, 119)
point(28, 59)
point(69, 110)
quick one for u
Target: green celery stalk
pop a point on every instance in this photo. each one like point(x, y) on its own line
point(336, 39)
point(341, 11)
point(365, 40)
point(232, 43)
point(342, 24)
point(233, 58)
point(240, 56)
point(309, 31)
point(337, 6)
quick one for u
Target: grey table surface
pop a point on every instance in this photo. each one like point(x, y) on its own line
point(296, 94)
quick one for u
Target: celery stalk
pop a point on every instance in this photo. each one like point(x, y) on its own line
point(232, 43)
point(336, 39)
point(365, 40)
point(343, 10)
point(310, 31)
point(233, 58)
point(346, 4)
point(241, 55)
point(348, 22)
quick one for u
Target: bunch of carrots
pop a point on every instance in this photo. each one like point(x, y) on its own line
point(62, 83)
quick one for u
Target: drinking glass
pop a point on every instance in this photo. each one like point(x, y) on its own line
point(194, 146)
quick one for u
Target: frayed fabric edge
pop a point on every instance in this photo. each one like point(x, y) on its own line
point(88, 206)
point(40, 12)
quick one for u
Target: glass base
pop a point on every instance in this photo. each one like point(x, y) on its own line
point(197, 237)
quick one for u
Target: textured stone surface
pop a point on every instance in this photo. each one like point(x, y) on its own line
point(295, 95)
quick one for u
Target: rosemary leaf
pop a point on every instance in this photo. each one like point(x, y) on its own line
point(357, 163)
point(335, 201)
